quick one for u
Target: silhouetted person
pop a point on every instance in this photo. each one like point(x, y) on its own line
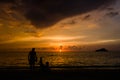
point(41, 63)
point(47, 66)
point(44, 67)
point(32, 58)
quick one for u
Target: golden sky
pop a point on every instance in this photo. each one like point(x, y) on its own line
point(97, 27)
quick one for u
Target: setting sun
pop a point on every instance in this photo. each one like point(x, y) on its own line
point(60, 50)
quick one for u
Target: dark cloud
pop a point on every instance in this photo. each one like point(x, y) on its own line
point(87, 17)
point(44, 13)
point(112, 14)
point(110, 9)
point(72, 22)
point(7, 1)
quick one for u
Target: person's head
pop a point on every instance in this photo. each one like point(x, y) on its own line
point(33, 49)
point(47, 63)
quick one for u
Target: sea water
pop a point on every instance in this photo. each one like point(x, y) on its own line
point(20, 58)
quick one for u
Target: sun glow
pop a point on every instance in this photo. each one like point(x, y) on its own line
point(60, 50)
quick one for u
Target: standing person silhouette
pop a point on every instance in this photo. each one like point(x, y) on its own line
point(32, 58)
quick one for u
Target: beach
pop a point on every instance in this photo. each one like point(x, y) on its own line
point(70, 73)
point(62, 66)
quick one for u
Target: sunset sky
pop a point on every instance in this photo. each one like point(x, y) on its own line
point(88, 24)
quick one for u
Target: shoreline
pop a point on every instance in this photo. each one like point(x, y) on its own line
point(63, 68)
point(62, 73)
point(95, 66)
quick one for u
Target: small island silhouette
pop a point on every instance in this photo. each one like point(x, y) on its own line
point(101, 50)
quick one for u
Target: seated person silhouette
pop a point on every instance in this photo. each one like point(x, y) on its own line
point(41, 63)
point(32, 58)
point(42, 66)
point(47, 66)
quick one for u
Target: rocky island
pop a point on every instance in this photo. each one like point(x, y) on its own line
point(102, 50)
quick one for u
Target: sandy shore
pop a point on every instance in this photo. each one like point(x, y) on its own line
point(60, 73)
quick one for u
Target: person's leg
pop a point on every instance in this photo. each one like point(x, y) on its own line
point(33, 66)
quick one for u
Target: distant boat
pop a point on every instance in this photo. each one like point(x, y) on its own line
point(102, 50)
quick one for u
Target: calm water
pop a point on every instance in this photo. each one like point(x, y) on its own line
point(62, 59)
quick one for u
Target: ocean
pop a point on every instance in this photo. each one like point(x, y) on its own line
point(20, 58)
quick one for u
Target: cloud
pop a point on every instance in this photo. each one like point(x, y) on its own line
point(112, 14)
point(110, 9)
point(87, 17)
point(45, 13)
point(7, 1)
point(71, 22)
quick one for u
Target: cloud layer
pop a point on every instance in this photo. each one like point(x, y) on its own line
point(45, 13)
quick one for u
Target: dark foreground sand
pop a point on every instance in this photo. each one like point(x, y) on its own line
point(60, 73)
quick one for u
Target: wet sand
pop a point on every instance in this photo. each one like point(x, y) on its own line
point(60, 73)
